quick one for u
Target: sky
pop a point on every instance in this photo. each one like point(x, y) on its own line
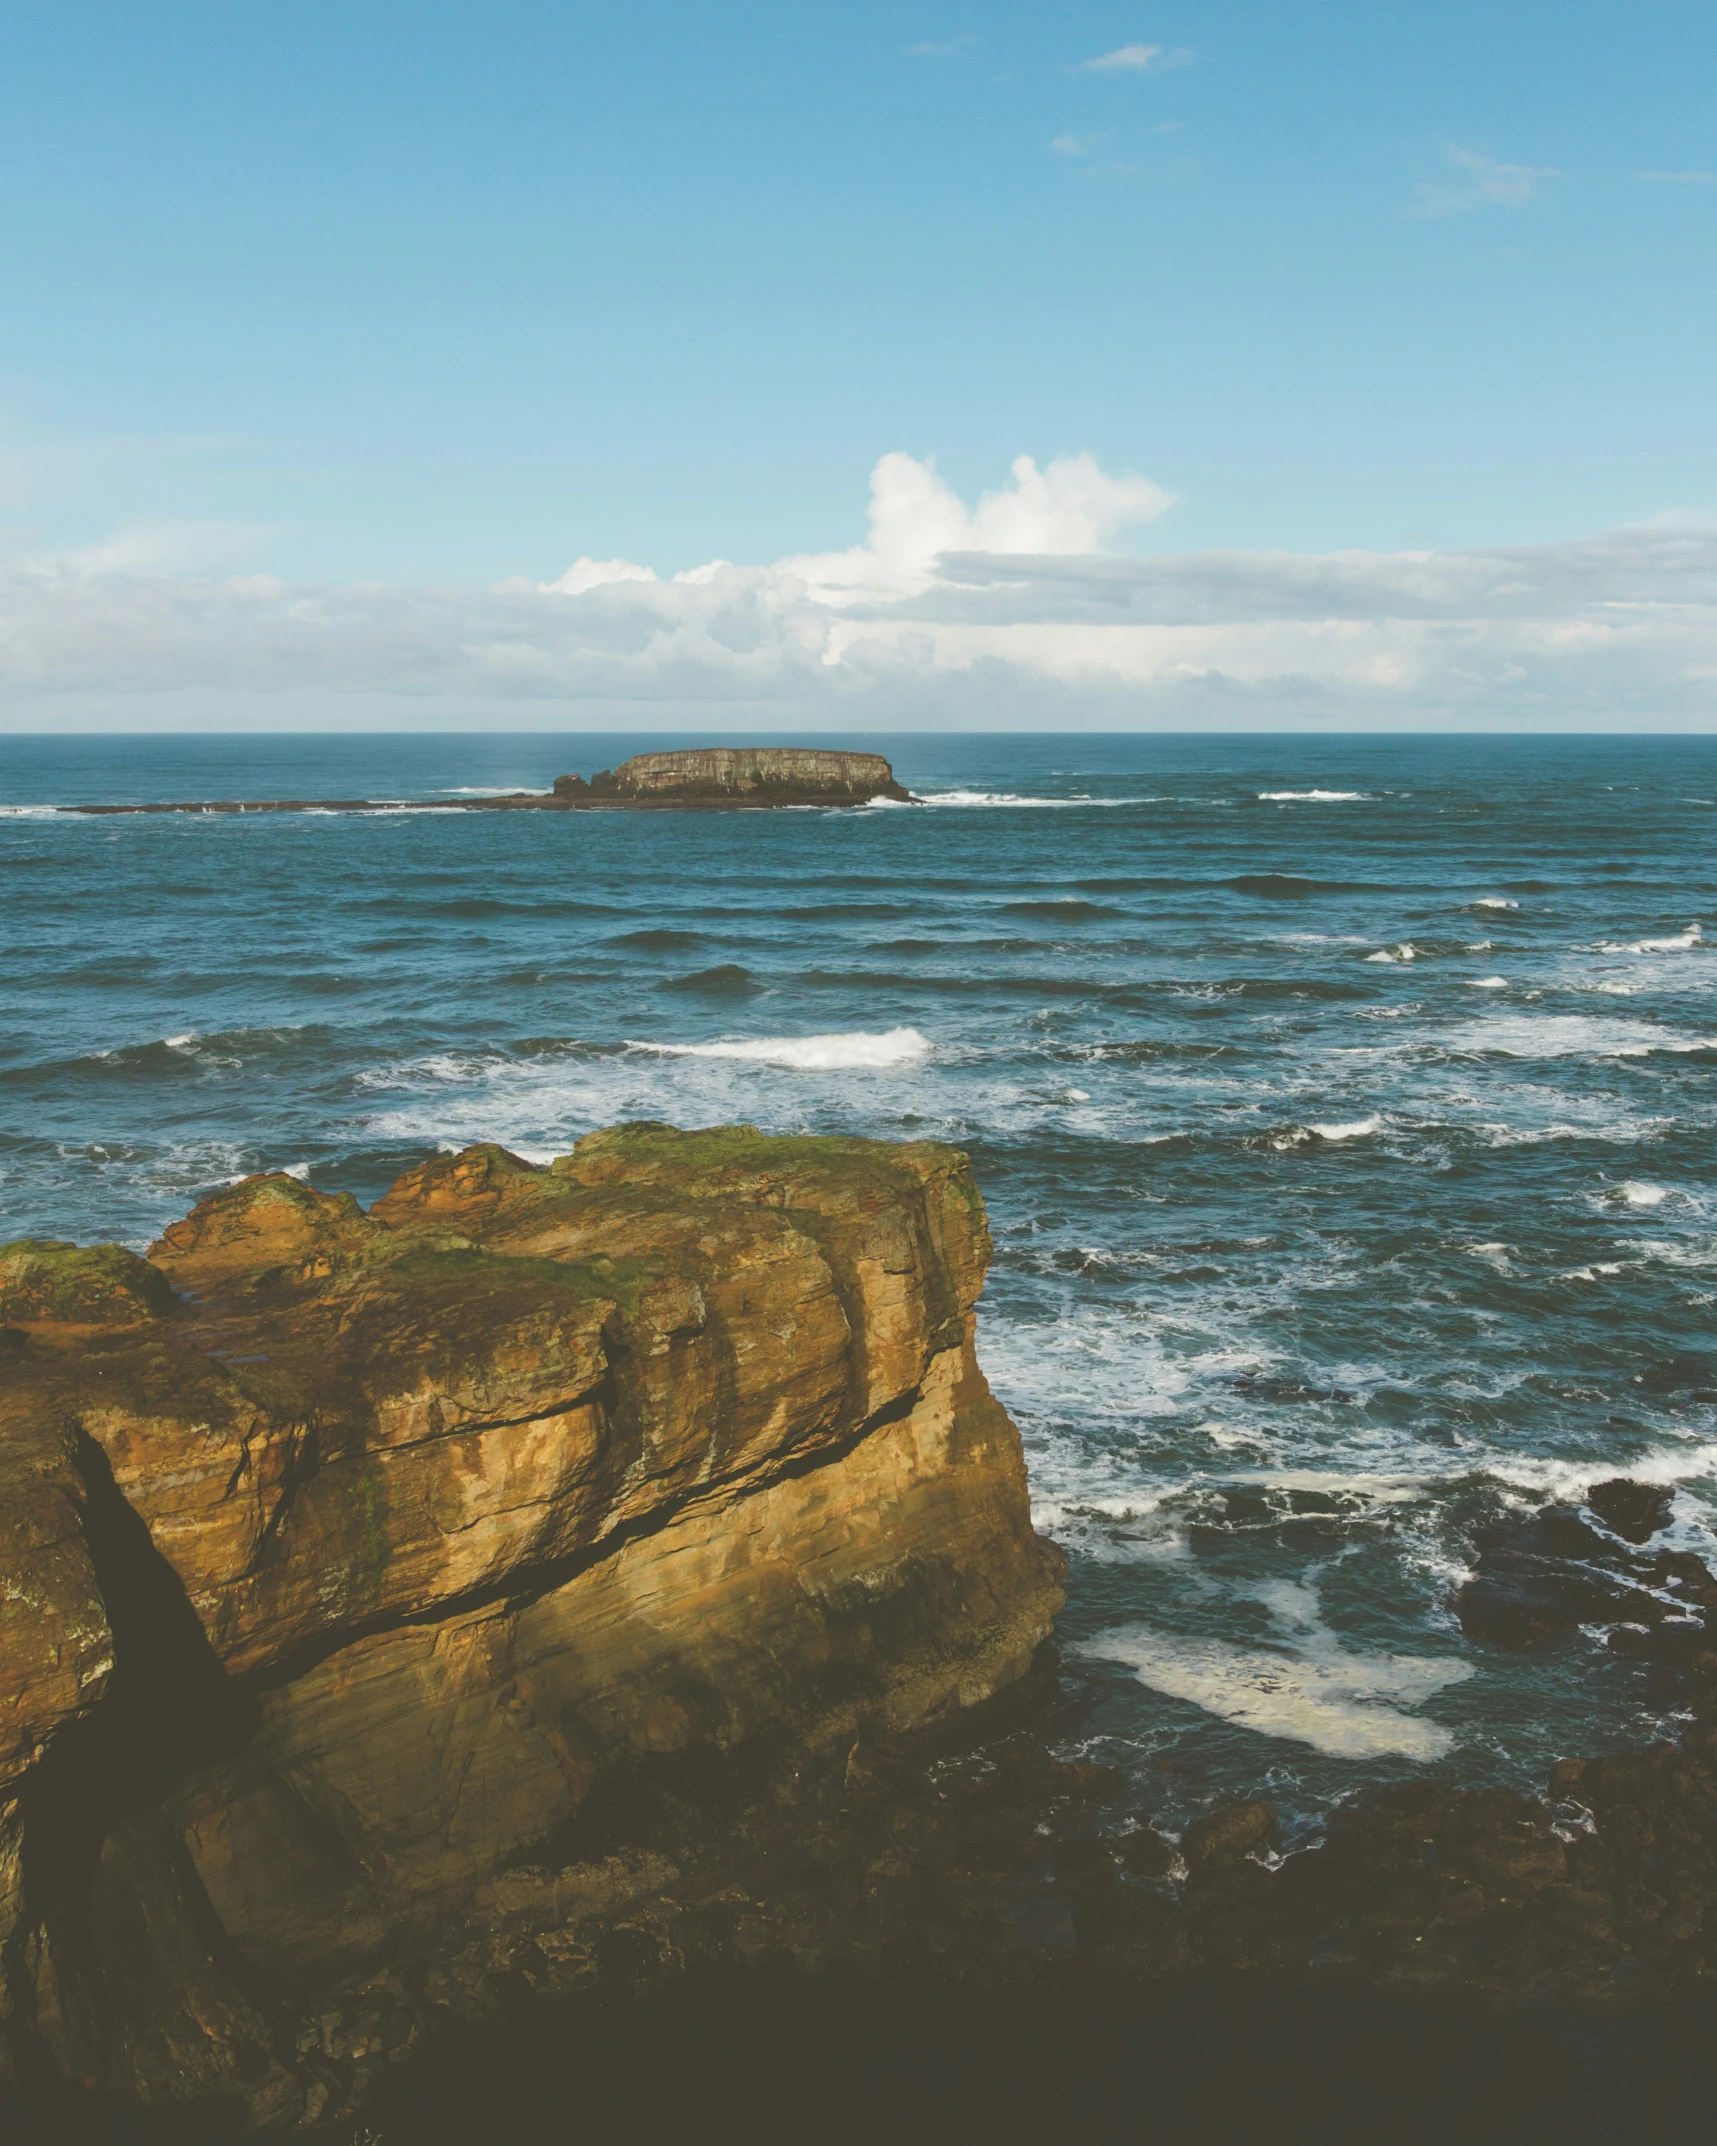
point(1200, 362)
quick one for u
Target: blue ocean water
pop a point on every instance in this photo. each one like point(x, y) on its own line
point(1345, 1109)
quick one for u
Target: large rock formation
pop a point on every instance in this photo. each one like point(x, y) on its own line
point(347, 1555)
point(758, 775)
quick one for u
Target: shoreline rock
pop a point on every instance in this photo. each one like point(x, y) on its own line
point(371, 1557)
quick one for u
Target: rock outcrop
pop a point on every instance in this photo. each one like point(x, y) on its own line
point(761, 775)
point(350, 1558)
point(713, 776)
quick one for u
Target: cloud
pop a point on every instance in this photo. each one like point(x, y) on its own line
point(1679, 178)
point(1075, 144)
point(1482, 182)
point(1013, 610)
point(948, 48)
point(1135, 59)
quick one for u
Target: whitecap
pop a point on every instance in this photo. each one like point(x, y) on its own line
point(1315, 797)
point(1403, 952)
point(1571, 1035)
point(853, 1051)
point(1010, 799)
point(1493, 901)
point(1343, 1704)
point(1683, 942)
point(1355, 1129)
point(1487, 983)
point(1638, 1194)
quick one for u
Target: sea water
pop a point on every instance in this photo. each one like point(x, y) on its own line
point(1345, 1109)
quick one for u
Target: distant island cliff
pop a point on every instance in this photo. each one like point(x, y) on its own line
point(711, 777)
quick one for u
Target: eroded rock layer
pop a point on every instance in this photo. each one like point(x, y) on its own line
point(348, 1554)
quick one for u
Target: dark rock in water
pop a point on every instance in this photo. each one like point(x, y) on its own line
point(1540, 1575)
point(1513, 1612)
point(1146, 1852)
point(1635, 1511)
point(1230, 1831)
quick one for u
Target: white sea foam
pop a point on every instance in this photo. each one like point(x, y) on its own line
point(1403, 952)
point(1638, 1194)
point(1315, 797)
point(1683, 942)
point(1487, 983)
point(1343, 1704)
point(1571, 1035)
point(1354, 1129)
point(857, 1051)
point(1008, 799)
point(30, 812)
point(1493, 901)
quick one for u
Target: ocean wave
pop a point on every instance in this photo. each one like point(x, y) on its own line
point(1009, 799)
point(1291, 887)
point(1315, 797)
point(855, 1051)
point(1569, 1035)
point(1404, 952)
point(1060, 912)
point(1681, 943)
point(727, 981)
point(1356, 1129)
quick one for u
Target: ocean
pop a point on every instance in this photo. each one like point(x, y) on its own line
point(1344, 1106)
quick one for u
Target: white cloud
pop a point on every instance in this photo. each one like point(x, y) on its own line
point(1679, 178)
point(1075, 144)
point(1013, 610)
point(1069, 507)
point(1481, 182)
point(1135, 59)
point(947, 48)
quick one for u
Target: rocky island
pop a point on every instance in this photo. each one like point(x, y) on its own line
point(713, 777)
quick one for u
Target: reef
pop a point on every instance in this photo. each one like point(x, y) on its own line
point(359, 1567)
point(713, 777)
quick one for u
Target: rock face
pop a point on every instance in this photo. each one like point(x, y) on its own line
point(763, 775)
point(347, 1556)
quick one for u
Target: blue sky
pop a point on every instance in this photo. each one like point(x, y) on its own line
point(438, 295)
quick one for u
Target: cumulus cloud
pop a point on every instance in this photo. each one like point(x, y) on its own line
point(1013, 609)
point(1481, 181)
point(1135, 59)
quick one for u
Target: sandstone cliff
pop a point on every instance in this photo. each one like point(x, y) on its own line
point(347, 1555)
